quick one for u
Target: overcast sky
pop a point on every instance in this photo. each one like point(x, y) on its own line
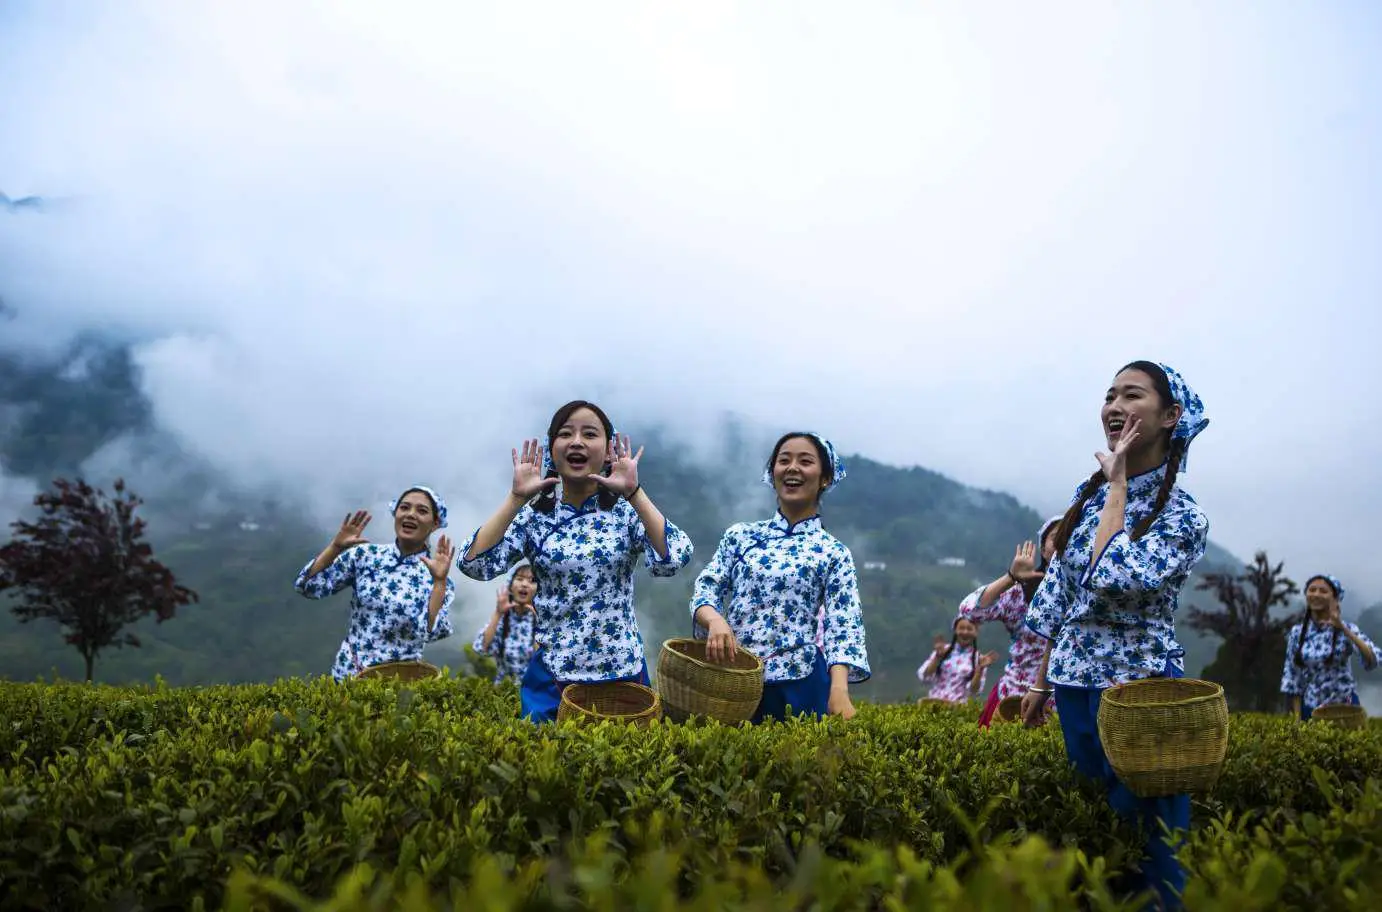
point(363, 248)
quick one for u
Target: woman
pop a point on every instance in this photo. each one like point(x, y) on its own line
point(775, 584)
point(1318, 668)
point(590, 523)
point(508, 637)
point(955, 670)
point(1005, 600)
point(401, 597)
point(1107, 603)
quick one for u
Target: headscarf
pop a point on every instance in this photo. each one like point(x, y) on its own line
point(436, 499)
point(837, 465)
point(1192, 419)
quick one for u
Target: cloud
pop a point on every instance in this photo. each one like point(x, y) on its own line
point(360, 247)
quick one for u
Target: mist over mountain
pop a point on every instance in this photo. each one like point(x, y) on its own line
point(921, 540)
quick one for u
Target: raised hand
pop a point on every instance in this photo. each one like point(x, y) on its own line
point(623, 467)
point(352, 531)
point(1335, 618)
point(439, 562)
point(939, 642)
point(502, 602)
point(1115, 464)
point(1023, 567)
point(987, 659)
point(527, 471)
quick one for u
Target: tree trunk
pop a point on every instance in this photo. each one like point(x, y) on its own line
point(90, 661)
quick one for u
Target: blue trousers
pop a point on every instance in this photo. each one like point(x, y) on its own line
point(808, 696)
point(1306, 710)
point(540, 694)
point(1079, 715)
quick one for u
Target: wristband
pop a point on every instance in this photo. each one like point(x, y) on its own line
point(634, 493)
point(1041, 690)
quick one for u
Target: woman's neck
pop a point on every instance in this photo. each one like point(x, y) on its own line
point(1319, 615)
point(410, 550)
point(795, 515)
point(577, 491)
point(1140, 461)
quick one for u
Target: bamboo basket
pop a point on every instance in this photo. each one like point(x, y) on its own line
point(417, 670)
point(615, 701)
point(1165, 736)
point(1009, 709)
point(691, 685)
point(1344, 715)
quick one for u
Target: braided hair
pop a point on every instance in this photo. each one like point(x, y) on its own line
point(1305, 628)
point(503, 633)
point(1175, 451)
point(547, 500)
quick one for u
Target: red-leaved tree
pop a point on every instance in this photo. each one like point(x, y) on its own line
point(84, 564)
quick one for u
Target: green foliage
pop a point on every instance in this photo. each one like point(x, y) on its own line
point(108, 795)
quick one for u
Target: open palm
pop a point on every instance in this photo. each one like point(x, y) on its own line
point(439, 561)
point(623, 467)
point(528, 480)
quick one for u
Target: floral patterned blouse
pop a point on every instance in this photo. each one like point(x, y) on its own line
point(1112, 616)
point(1326, 673)
point(788, 592)
point(388, 607)
point(1026, 648)
point(512, 652)
point(952, 681)
point(584, 560)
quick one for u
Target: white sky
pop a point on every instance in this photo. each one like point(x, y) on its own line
point(369, 244)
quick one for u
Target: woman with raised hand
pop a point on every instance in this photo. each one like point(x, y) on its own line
point(1005, 600)
point(509, 636)
point(401, 596)
point(955, 669)
point(577, 512)
point(1107, 603)
point(1320, 649)
point(778, 587)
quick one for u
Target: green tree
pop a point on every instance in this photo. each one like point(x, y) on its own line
point(1248, 663)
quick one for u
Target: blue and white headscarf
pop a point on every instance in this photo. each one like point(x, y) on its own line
point(837, 465)
point(1041, 536)
point(1192, 419)
point(436, 499)
point(1333, 581)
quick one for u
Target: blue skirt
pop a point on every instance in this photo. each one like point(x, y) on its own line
point(808, 696)
point(540, 693)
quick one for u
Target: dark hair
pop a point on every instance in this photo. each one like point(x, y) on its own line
point(547, 500)
point(1305, 626)
point(1174, 451)
point(827, 467)
point(430, 500)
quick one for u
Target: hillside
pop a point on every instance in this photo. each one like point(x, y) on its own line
point(921, 540)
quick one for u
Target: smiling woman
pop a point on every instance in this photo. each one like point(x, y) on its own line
point(577, 512)
point(788, 591)
point(401, 596)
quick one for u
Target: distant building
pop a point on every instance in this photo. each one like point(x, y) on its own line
point(875, 565)
point(951, 561)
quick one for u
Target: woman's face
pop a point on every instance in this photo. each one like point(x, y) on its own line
point(965, 632)
point(523, 587)
point(580, 447)
point(414, 519)
point(797, 473)
point(1134, 395)
point(1319, 596)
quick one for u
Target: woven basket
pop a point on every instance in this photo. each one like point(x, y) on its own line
point(616, 701)
point(402, 671)
point(1165, 736)
point(1344, 715)
point(691, 685)
point(1009, 709)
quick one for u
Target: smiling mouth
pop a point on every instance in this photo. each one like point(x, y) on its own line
point(408, 526)
point(1116, 425)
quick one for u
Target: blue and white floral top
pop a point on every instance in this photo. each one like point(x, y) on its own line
point(769, 580)
point(388, 608)
point(1113, 619)
point(513, 651)
point(1326, 673)
point(583, 559)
